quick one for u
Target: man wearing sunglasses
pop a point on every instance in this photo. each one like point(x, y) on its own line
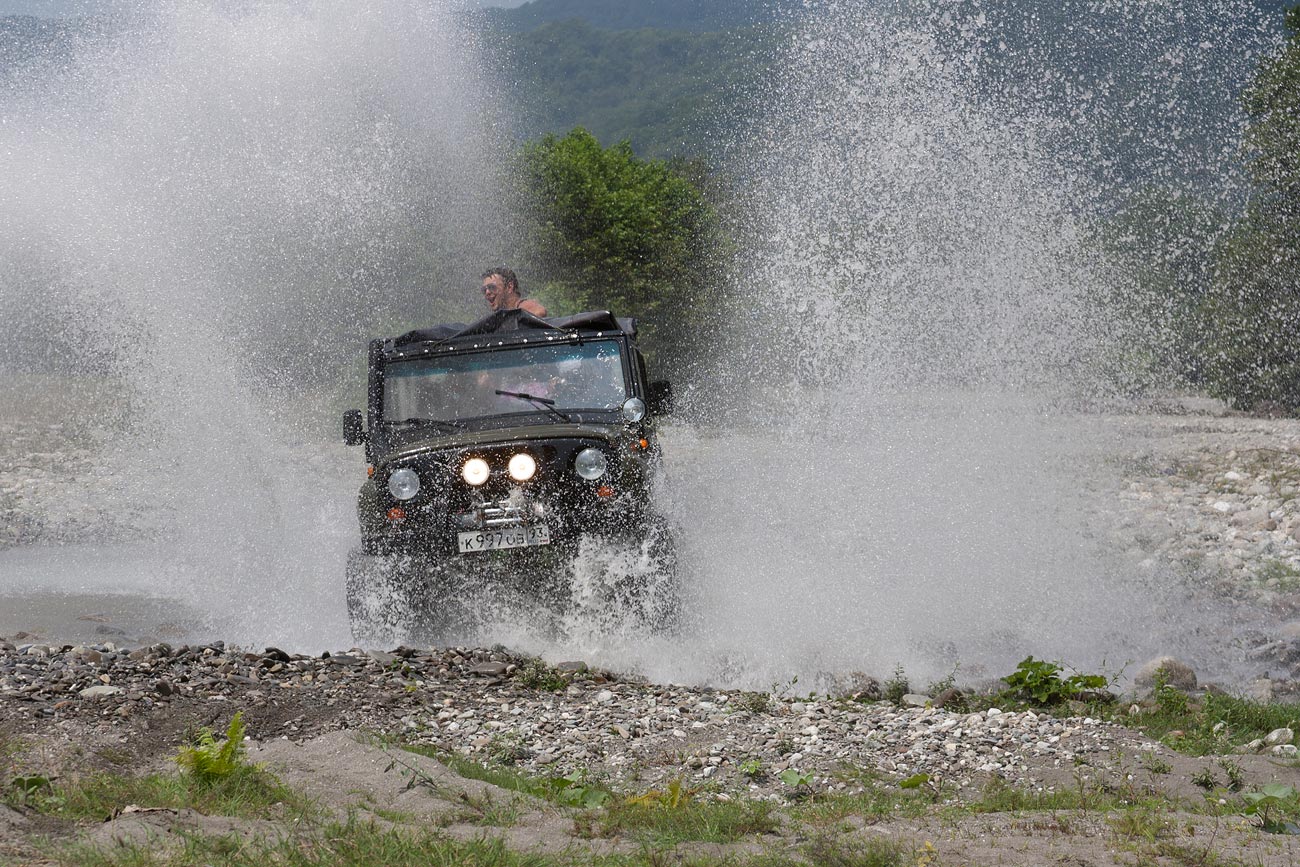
point(501, 289)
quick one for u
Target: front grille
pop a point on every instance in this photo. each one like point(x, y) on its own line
point(505, 513)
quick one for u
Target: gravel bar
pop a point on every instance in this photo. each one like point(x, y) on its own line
point(631, 735)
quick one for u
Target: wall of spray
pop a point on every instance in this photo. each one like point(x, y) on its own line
point(923, 309)
point(219, 203)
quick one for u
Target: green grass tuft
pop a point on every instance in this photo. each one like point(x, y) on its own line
point(246, 793)
point(658, 824)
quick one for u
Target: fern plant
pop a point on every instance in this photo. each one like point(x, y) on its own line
point(210, 760)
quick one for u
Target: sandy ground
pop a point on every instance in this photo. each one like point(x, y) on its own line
point(350, 774)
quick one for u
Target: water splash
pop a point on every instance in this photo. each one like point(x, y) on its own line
point(220, 203)
point(215, 199)
point(925, 311)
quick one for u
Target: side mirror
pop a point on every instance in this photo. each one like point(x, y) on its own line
point(354, 432)
point(659, 400)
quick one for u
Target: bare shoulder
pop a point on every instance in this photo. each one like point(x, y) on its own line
point(533, 307)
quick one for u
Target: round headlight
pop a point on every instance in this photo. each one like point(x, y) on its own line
point(522, 467)
point(475, 471)
point(591, 464)
point(404, 484)
point(634, 409)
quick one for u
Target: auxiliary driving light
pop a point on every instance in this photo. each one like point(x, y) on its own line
point(475, 471)
point(522, 467)
point(634, 409)
point(404, 484)
point(590, 464)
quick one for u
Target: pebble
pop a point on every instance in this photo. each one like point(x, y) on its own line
point(101, 691)
point(1278, 737)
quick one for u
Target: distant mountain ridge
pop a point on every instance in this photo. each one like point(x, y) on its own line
point(674, 77)
point(690, 15)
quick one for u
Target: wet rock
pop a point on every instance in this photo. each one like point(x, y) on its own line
point(916, 700)
point(101, 691)
point(574, 667)
point(87, 654)
point(950, 698)
point(489, 669)
point(1176, 673)
point(856, 685)
point(342, 659)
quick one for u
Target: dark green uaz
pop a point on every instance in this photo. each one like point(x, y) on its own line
point(493, 450)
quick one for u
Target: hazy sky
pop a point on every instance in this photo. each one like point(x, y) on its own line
point(60, 8)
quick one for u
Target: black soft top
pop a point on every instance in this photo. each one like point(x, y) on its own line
point(454, 335)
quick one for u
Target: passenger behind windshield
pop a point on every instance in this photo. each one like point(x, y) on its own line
point(585, 377)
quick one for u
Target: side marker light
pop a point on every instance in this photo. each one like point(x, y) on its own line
point(397, 514)
point(605, 492)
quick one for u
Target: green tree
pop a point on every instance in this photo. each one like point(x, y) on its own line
point(611, 231)
point(1252, 313)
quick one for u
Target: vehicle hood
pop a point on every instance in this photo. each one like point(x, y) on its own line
point(500, 436)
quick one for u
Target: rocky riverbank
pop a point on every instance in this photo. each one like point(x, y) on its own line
point(332, 724)
point(496, 707)
point(1216, 499)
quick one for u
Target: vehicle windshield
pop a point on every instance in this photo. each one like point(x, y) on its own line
point(565, 377)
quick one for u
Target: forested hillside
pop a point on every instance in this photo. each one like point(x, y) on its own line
point(670, 76)
point(668, 92)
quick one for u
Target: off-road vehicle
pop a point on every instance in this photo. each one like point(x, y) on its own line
point(494, 450)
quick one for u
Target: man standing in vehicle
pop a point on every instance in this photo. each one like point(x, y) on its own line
point(501, 289)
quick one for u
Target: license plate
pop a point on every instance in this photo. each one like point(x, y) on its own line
point(496, 540)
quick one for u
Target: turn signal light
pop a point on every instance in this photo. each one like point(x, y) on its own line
point(605, 491)
point(370, 472)
point(397, 514)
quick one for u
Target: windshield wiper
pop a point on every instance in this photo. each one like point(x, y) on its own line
point(432, 422)
point(544, 403)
